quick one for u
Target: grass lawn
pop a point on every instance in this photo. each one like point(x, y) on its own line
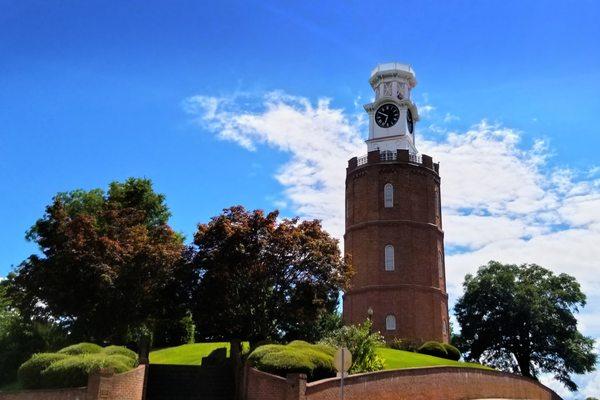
point(187, 354)
point(395, 359)
point(191, 354)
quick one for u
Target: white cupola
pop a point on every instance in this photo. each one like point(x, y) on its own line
point(392, 115)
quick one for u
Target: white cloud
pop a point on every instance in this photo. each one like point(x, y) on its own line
point(501, 200)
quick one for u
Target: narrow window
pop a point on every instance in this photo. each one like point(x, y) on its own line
point(388, 195)
point(440, 264)
point(389, 257)
point(390, 323)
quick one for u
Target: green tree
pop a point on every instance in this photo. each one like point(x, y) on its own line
point(20, 338)
point(262, 278)
point(110, 264)
point(521, 318)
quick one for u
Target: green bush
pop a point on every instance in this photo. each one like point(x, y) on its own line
point(405, 344)
point(433, 348)
point(128, 361)
point(453, 352)
point(81, 348)
point(74, 371)
point(30, 372)
point(316, 361)
point(362, 344)
point(120, 350)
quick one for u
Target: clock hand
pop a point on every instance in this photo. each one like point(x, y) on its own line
point(379, 112)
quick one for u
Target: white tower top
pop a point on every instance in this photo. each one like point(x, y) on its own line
point(393, 114)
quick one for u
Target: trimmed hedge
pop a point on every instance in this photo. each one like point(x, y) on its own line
point(316, 361)
point(433, 349)
point(128, 361)
point(453, 352)
point(71, 366)
point(30, 372)
point(81, 348)
point(74, 371)
point(120, 350)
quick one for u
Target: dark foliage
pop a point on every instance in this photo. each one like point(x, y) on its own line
point(263, 279)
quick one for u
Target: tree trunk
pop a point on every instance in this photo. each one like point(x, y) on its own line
point(524, 365)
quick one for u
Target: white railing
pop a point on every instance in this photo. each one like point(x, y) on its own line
point(387, 155)
point(390, 156)
point(415, 158)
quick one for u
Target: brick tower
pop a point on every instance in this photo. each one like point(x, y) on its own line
point(393, 221)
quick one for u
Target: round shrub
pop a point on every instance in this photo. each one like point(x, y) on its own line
point(433, 349)
point(74, 371)
point(120, 350)
point(453, 352)
point(316, 361)
point(30, 372)
point(81, 348)
point(129, 362)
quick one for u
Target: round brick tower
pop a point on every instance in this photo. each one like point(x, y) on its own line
point(393, 221)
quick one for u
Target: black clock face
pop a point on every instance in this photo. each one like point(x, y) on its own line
point(387, 115)
point(409, 121)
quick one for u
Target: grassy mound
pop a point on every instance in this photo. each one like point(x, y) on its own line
point(187, 354)
point(316, 361)
point(397, 359)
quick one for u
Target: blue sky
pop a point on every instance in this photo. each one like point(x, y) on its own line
point(223, 103)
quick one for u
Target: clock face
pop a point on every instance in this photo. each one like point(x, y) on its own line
point(387, 115)
point(409, 121)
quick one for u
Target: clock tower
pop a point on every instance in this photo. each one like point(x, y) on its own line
point(393, 221)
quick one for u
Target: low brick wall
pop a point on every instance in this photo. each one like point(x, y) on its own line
point(263, 386)
point(447, 383)
point(55, 394)
point(126, 386)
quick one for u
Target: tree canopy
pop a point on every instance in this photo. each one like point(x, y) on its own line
point(521, 318)
point(108, 262)
point(262, 278)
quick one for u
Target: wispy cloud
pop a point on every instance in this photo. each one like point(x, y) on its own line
point(501, 199)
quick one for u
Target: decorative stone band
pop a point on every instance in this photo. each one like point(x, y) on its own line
point(400, 156)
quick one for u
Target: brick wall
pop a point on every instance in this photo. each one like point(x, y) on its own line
point(262, 386)
point(126, 386)
point(415, 291)
point(103, 386)
point(56, 394)
point(447, 383)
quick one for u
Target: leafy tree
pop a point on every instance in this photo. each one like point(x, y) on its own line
point(20, 338)
point(109, 263)
point(362, 343)
point(262, 278)
point(521, 319)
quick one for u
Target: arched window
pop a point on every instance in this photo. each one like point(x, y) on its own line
point(390, 323)
point(389, 257)
point(388, 195)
